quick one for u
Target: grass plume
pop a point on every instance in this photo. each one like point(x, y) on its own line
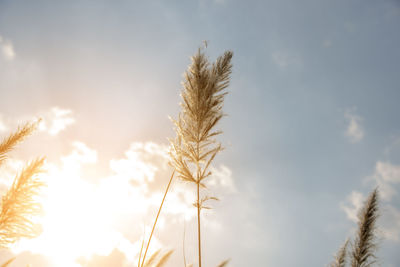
point(340, 257)
point(194, 147)
point(224, 263)
point(13, 139)
point(152, 259)
point(156, 260)
point(19, 205)
point(7, 263)
point(363, 253)
point(164, 258)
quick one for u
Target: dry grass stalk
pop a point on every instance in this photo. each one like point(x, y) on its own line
point(155, 222)
point(141, 249)
point(152, 259)
point(183, 244)
point(7, 263)
point(194, 147)
point(224, 263)
point(12, 140)
point(364, 246)
point(19, 205)
point(162, 260)
point(340, 257)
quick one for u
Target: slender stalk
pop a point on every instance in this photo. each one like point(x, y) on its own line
point(158, 214)
point(183, 243)
point(141, 248)
point(198, 193)
point(198, 221)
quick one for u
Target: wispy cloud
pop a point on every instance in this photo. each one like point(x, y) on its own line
point(354, 131)
point(3, 126)
point(7, 49)
point(352, 205)
point(115, 258)
point(284, 59)
point(56, 120)
point(280, 59)
point(386, 177)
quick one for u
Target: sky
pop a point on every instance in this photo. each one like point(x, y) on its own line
point(311, 128)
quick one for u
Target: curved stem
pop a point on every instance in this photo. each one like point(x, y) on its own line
point(158, 214)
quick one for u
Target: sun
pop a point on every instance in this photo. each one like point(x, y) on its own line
point(80, 217)
point(83, 217)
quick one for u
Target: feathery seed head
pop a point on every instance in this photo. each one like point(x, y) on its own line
point(202, 100)
point(364, 246)
point(19, 205)
point(340, 257)
point(12, 140)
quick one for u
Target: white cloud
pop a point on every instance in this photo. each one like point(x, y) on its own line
point(388, 172)
point(3, 125)
point(142, 161)
point(386, 176)
point(56, 120)
point(354, 131)
point(390, 222)
point(81, 154)
point(353, 205)
point(222, 179)
point(7, 49)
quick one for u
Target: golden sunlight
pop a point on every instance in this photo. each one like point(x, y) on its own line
point(83, 218)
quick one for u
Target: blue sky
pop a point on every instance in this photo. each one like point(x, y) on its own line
point(312, 107)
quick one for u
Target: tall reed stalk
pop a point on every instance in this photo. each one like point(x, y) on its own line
point(194, 148)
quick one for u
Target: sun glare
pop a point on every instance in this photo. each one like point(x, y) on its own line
point(79, 216)
point(83, 218)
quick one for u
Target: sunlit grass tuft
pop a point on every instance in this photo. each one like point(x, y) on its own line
point(194, 148)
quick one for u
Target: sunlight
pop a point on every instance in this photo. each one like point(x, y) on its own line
point(84, 218)
point(79, 217)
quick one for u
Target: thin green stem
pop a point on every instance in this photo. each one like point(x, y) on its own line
point(158, 214)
